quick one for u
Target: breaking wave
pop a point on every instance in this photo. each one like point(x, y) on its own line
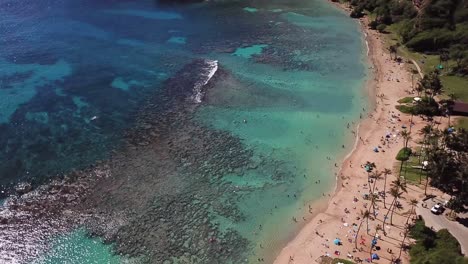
point(205, 76)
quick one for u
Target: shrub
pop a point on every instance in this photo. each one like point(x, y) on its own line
point(381, 28)
point(373, 24)
point(404, 154)
point(434, 247)
point(357, 12)
point(407, 30)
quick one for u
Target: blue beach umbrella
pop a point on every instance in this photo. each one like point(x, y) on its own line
point(337, 241)
point(375, 256)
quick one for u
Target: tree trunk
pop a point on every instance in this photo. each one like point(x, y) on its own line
point(427, 183)
point(386, 216)
point(420, 164)
point(373, 204)
point(384, 190)
point(401, 168)
point(357, 234)
point(403, 243)
point(406, 231)
point(391, 215)
point(367, 228)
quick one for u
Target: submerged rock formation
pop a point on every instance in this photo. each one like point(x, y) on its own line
point(155, 198)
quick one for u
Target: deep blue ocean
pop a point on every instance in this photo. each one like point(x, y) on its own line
point(134, 132)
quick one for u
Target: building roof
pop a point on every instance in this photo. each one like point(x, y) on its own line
point(460, 107)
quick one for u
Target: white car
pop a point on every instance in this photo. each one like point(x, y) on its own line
point(437, 208)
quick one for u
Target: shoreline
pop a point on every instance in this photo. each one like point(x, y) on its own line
point(307, 246)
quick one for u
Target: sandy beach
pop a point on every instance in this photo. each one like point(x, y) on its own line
point(391, 82)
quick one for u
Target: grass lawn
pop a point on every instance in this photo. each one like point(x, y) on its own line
point(406, 100)
point(462, 123)
point(337, 260)
point(404, 108)
point(409, 171)
point(456, 85)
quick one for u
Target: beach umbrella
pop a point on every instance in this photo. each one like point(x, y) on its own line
point(375, 256)
point(337, 241)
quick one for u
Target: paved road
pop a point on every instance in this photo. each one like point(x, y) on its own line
point(459, 231)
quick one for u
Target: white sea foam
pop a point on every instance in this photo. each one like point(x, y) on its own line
point(206, 75)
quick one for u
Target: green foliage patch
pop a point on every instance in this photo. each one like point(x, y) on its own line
point(404, 154)
point(434, 247)
point(338, 260)
point(406, 100)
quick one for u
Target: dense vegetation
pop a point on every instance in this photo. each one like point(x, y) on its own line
point(428, 87)
point(432, 26)
point(434, 247)
point(447, 154)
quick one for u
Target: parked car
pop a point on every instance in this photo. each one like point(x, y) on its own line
point(437, 208)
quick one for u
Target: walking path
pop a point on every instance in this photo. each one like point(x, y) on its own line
point(421, 74)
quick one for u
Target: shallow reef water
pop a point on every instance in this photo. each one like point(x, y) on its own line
point(135, 133)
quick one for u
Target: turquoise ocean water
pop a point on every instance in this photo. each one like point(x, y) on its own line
point(181, 134)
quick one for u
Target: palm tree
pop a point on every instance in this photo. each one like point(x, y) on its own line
point(450, 104)
point(365, 215)
point(399, 185)
point(427, 183)
point(432, 83)
point(371, 166)
point(426, 131)
point(385, 172)
point(373, 198)
point(375, 175)
point(406, 137)
point(395, 193)
point(444, 57)
point(413, 203)
point(405, 234)
point(419, 89)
